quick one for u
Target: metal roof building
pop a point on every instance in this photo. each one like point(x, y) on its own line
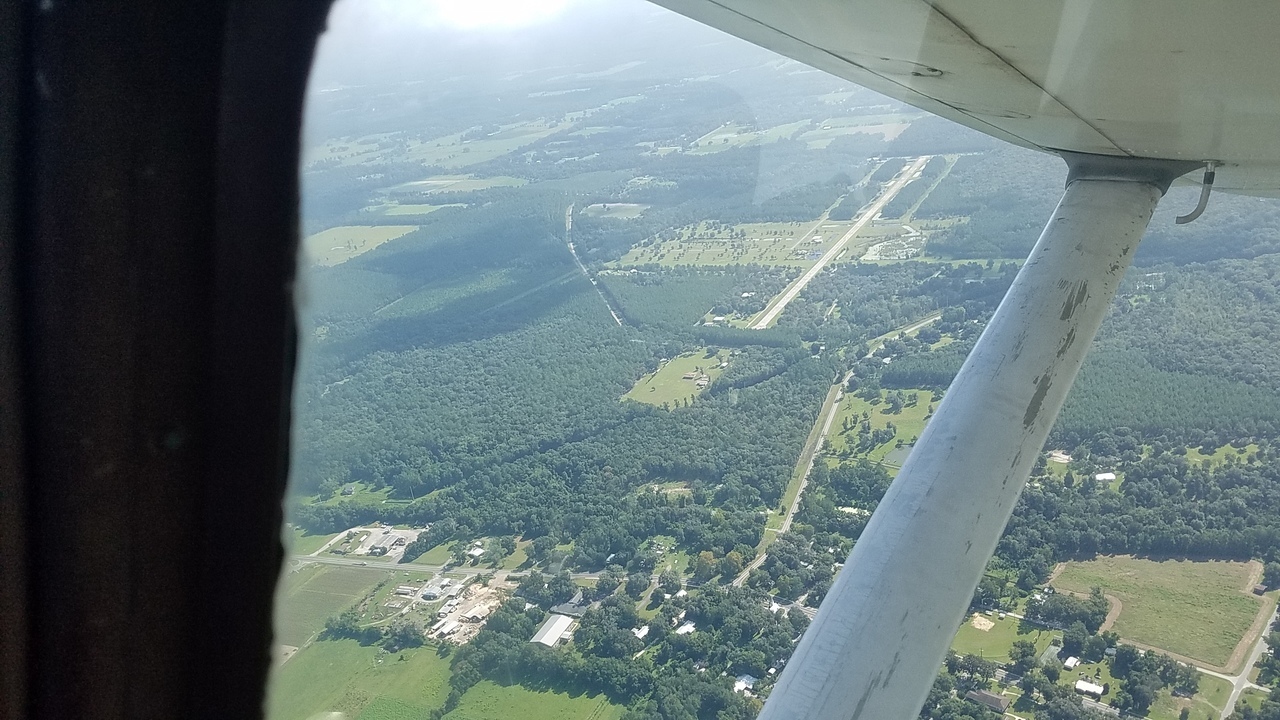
point(552, 629)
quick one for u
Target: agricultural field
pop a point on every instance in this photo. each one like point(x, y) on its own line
point(490, 701)
point(990, 637)
point(340, 244)
point(393, 208)
point(451, 151)
point(888, 126)
point(454, 183)
point(677, 379)
point(797, 245)
point(1201, 610)
point(313, 593)
point(622, 211)
point(360, 681)
point(731, 135)
point(909, 421)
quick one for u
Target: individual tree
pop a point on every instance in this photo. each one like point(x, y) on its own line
point(1022, 654)
point(637, 583)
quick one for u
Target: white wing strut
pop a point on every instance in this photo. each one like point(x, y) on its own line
point(883, 630)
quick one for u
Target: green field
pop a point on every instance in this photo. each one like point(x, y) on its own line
point(622, 211)
point(456, 183)
point(489, 701)
point(412, 208)
point(309, 596)
point(886, 126)
point(1200, 610)
point(667, 384)
point(791, 244)
point(731, 135)
point(994, 644)
point(340, 244)
point(303, 543)
point(362, 682)
point(909, 421)
point(450, 151)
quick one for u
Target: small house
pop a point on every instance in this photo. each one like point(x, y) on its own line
point(1093, 690)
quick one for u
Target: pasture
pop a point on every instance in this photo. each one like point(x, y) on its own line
point(340, 244)
point(677, 379)
point(731, 135)
point(1201, 610)
point(622, 211)
point(314, 593)
point(490, 701)
point(360, 681)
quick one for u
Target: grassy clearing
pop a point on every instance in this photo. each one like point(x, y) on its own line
point(909, 421)
point(456, 183)
point(314, 593)
point(623, 211)
point(1219, 456)
point(994, 644)
point(887, 126)
point(363, 682)
point(1200, 610)
point(489, 701)
point(412, 208)
point(672, 381)
point(790, 244)
point(301, 542)
point(340, 244)
point(452, 151)
point(731, 135)
point(438, 555)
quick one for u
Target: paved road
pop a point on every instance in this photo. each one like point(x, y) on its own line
point(810, 452)
point(770, 313)
point(1241, 681)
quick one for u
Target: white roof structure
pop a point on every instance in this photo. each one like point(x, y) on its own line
point(745, 682)
point(1071, 663)
point(1085, 687)
point(551, 630)
point(686, 628)
point(1105, 477)
point(640, 632)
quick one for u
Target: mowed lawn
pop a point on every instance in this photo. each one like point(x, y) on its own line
point(340, 244)
point(1200, 610)
point(360, 681)
point(315, 593)
point(490, 701)
point(667, 383)
point(994, 644)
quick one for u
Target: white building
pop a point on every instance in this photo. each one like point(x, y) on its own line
point(744, 682)
point(552, 629)
point(1105, 477)
point(686, 628)
point(1084, 687)
point(1071, 663)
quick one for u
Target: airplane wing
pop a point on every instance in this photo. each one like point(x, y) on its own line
point(1170, 79)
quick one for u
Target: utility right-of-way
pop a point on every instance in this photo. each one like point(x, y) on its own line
point(780, 303)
